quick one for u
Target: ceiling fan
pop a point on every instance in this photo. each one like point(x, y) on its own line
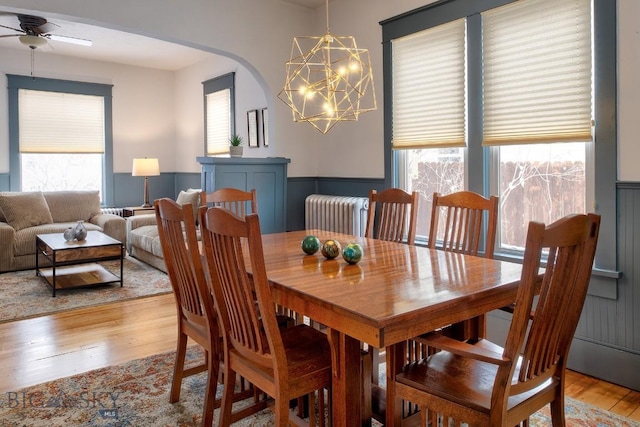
point(35, 32)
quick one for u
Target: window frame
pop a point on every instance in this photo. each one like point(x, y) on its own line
point(17, 82)
point(478, 158)
point(216, 84)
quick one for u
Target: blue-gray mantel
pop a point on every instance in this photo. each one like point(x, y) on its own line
point(268, 176)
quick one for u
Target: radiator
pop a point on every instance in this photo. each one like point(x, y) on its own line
point(342, 214)
point(114, 211)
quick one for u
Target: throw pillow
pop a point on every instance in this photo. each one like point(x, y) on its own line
point(22, 210)
point(71, 206)
point(192, 197)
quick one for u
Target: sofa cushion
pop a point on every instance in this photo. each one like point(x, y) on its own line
point(70, 206)
point(147, 239)
point(23, 210)
point(25, 242)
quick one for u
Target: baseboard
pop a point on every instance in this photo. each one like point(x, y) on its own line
point(610, 364)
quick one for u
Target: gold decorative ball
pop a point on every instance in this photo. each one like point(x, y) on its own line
point(331, 249)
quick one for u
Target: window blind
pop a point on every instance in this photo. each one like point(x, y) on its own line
point(429, 88)
point(54, 122)
point(537, 72)
point(218, 121)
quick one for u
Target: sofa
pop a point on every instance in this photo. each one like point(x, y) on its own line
point(23, 215)
point(143, 240)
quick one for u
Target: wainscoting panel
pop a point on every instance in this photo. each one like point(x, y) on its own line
point(4, 182)
point(297, 191)
point(129, 190)
point(184, 181)
point(300, 187)
point(349, 186)
point(616, 322)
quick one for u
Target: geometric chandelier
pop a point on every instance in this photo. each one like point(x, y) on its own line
point(329, 80)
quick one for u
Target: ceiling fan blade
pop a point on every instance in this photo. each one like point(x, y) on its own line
point(66, 39)
point(11, 28)
point(48, 27)
point(11, 35)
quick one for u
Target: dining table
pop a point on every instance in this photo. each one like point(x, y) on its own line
point(395, 292)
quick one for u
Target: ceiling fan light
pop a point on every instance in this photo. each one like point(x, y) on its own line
point(32, 41)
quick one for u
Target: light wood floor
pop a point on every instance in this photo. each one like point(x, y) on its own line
point(36, 350)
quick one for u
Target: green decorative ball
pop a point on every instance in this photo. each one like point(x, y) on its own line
point(352, 253)
point(310, 245)
point(331, 249)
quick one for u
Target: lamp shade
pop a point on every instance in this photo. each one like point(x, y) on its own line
point(145, 167)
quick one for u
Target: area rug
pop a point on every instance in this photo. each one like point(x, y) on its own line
point(23, 295)
point(136, 394)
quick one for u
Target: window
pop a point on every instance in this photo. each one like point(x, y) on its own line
point(537, 182)
point(219, 95)
point(527, 111)
point(429, 112)
point(60, 138)
point(537, 110)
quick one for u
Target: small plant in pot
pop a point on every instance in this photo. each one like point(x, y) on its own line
point(235, 145)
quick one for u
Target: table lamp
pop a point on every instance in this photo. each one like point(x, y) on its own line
point(145, 167)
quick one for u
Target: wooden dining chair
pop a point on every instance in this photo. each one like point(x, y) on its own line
point(457, 223)
point(392, 215)
point(285, 363)
point(238, 201)
point(242, 203)
point(482, 384)
point(457, 226)
point(197, 317)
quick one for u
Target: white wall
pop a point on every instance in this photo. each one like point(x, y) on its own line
point(258, 34)
point(155, 113)
point(190, 109)
point(628, 90)
point(143, 105)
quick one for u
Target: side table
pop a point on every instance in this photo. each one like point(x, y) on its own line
point(136, 210)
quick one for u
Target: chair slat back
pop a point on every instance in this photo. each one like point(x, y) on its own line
point(237, 201)
point(252, 328)
point(395, 212)
point(571, 244)
point(178, 238)
point(456, 222)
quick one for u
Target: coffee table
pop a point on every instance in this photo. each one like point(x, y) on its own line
point(75, 264)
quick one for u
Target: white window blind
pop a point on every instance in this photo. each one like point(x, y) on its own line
point(53, 122)
point(429, 88)
point(537, 72)
point(218, 121)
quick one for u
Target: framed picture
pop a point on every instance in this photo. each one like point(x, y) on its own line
point(264, 120)
point(252, 123)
